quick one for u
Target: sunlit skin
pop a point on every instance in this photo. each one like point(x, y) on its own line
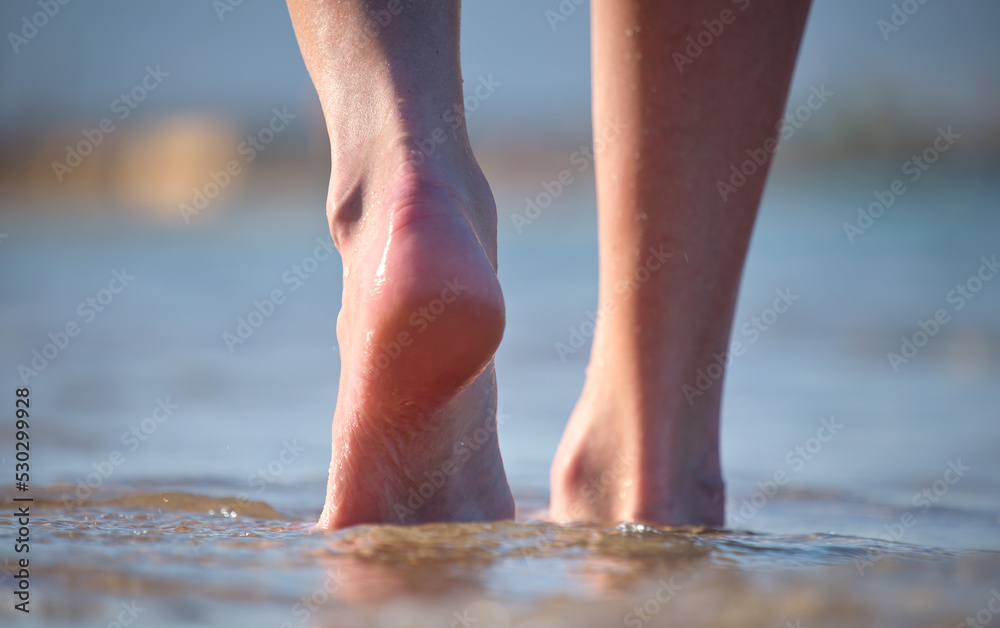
point(414, 431)
point(682, 129)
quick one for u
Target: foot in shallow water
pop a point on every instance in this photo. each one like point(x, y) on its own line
point(414, 431)
point(616, 463)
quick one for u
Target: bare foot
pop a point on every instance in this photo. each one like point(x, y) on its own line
point(414, 431)
point(638, 446)
point(616, 464)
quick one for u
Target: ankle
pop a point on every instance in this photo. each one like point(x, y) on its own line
point(629, 454)
point(656, 389)
point(433, 173)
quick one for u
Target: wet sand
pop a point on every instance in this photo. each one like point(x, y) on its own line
point(184, 558)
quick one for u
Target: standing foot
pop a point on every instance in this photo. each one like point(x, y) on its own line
point(616, 463)
point(414, 431)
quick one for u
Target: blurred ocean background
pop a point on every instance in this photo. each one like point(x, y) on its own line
point(912, 473)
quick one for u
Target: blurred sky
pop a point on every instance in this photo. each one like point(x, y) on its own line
point(945, 59)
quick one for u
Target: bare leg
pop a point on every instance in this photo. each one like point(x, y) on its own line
point(636, 447)
point(414, 431)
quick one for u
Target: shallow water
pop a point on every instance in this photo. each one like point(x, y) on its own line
point(184, 558)
point(203, 521)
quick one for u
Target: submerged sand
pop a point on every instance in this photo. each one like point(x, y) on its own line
point(165, 559)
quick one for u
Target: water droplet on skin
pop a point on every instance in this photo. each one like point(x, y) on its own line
point(628, 32)
point(347, 272)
